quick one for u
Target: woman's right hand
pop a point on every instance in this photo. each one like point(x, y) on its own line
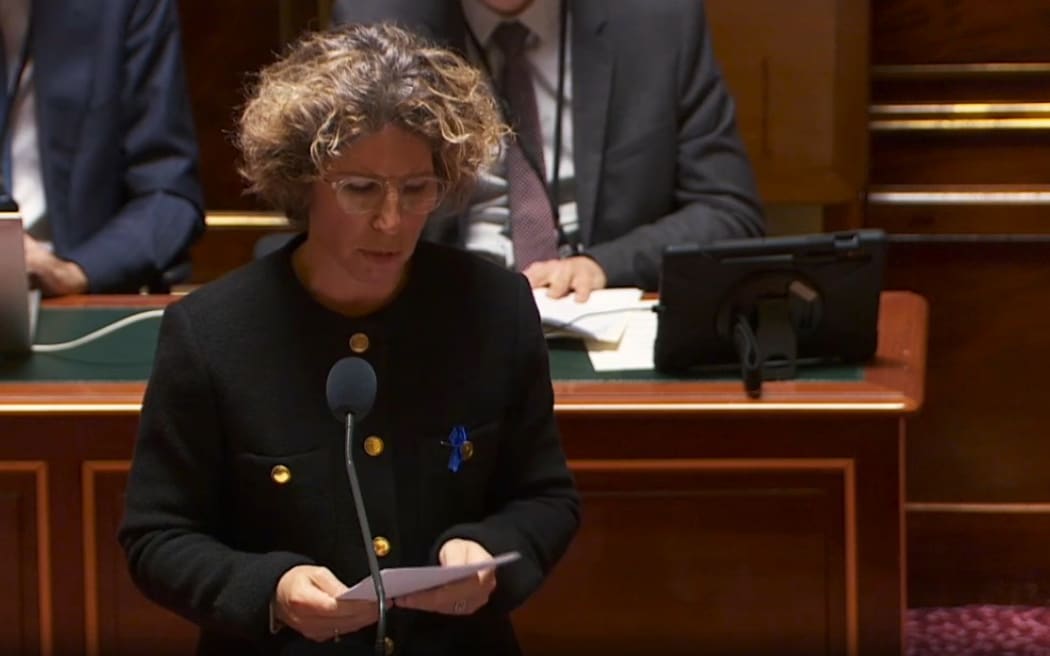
point(306, 601)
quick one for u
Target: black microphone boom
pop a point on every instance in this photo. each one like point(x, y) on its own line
point(351, 390)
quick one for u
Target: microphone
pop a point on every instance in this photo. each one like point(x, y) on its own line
point(351, 390)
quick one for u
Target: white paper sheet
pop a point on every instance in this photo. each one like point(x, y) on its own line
point(601, 317)
point(634, 351)
point(400, 581)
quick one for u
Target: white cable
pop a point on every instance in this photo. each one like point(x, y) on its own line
point(98, 334)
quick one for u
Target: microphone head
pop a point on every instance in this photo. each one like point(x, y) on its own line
point(351, 388)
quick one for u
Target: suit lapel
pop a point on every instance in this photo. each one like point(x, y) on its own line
point(592, 69)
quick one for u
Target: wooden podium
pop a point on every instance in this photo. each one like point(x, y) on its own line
point(712, 523)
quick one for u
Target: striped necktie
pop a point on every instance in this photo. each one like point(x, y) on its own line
point(533, 232)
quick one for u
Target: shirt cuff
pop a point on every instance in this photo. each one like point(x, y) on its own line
point(275, 624)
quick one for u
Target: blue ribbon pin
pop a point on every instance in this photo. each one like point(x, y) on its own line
point(456, 439)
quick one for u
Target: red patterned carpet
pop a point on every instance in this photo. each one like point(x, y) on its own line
point(978, 631)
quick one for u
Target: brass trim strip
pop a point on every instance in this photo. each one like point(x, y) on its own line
point(758, 406)
point(969, 124)
point(878, 406)
point(69, 408)
point(922, 109)
point(980, 508)
point(953, 70)
point(246, 220)
point(959, 197)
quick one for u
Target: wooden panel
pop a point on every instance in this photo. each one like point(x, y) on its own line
point(802, 110)
point(25, 626)
point(630, 566)
point(824, 455)
point(991, 555)
point(222, 43)
point(971, 219)
point(982, 433)
point(958, 158)
point(948, 77)
point(119, 621)
point(913, 31)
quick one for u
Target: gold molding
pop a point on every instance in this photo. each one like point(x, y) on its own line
point(959, 124)
point(894, 407)
point(1027, 109)
point(246, 220)
point(70, 408)
point(932, 197)
point(960, 70)
point(1042, 508)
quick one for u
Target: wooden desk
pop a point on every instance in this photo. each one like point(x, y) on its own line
point(712, 523)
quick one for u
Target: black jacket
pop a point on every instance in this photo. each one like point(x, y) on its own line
point(238, 388)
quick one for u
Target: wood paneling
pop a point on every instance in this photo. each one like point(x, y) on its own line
point(982, 436)
point(639, 516)
point(929, 31)
point(222, 43)
point(25, 605)
point(800, 79)
point(764, 523)
point(118, 620)
point(986, 54)
point(987, 555)
point(984, 159)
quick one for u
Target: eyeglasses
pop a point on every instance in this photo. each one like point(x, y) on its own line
point(358, 194)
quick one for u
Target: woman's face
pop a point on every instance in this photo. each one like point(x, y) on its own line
point(365, 216)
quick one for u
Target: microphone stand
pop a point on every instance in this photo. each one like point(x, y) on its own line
point(366, 535)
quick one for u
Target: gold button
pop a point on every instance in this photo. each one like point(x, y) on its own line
point(280, 474)
point(359, 342)
point(388, 645)
point(373, 445)
point(466, 450)
point(381, 545)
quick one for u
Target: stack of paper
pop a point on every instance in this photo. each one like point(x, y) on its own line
point(602, 317)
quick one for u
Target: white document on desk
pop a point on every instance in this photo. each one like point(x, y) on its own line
point(400, 581)
point(634, 351)
point(602, 317)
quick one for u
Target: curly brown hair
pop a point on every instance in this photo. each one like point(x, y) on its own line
point(333, 87)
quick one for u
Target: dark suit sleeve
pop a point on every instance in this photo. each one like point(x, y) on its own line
point(440, 20)
point(533, 499)
point(163, 212)
point(715, 190)
point(173, 520)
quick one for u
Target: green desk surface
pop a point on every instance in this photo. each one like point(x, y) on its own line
point(127, 355)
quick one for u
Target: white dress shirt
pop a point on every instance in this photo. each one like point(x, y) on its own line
point(26, 176)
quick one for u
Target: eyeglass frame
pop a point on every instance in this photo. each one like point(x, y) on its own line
point(338, 183)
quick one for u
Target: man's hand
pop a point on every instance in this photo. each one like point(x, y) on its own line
point(578, 274)
point(53, 275)
point(306, 601)
point(462, 597)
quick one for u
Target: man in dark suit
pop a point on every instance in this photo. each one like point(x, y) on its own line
point(650, 155)
point(100, 141)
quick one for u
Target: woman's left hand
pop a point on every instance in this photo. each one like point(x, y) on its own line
point(462, 597)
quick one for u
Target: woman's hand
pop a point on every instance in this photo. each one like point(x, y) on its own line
point(459, 597)
point(306, 601)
